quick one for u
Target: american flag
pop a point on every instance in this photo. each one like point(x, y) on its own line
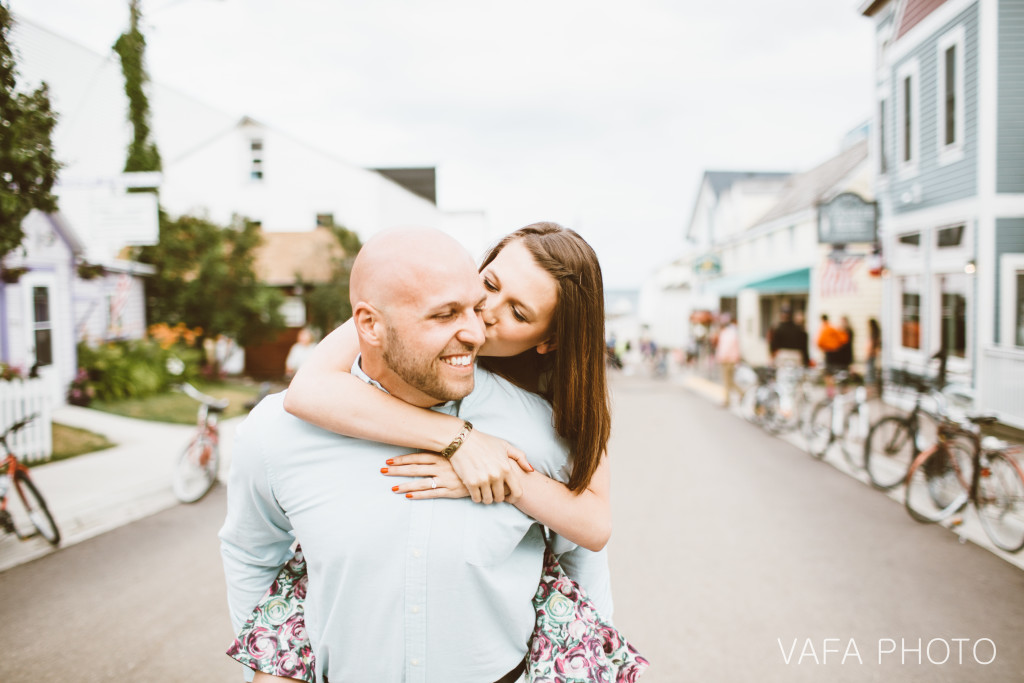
point(837, 276)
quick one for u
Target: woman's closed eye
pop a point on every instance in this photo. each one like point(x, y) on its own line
point(517, 315)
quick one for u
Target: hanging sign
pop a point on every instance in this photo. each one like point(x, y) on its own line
point(847, 219)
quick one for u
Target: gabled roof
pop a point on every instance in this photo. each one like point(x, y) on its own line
point(286, 257)
point(419, 181)
point(914, 12)
point(723, 180)
point(805, 190)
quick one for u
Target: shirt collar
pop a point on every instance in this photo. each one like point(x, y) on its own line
point(450, 407)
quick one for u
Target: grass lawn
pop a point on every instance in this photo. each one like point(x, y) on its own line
point(180, 409)
point(71, 441)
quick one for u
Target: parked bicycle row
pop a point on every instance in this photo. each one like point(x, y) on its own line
point(928, 451)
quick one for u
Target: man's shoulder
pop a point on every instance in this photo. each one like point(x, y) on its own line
point(269, 423)
point(491, 389)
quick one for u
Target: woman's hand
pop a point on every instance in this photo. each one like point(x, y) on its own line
point(486, 465)
point(436, 478)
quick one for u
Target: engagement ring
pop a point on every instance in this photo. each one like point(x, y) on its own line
point(433, 482)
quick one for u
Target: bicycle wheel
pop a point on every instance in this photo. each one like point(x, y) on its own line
point(818, 431)
point(937, 484)
point(196, 470)
point(848, 440)
point(888, 451)
point(771, 410)
point(1000, 501)
point(35, 508)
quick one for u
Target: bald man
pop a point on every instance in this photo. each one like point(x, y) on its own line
point(433, 591)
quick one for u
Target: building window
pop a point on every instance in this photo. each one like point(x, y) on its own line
point(1011, 300)
point(950, 90)
point(256, 167)
point(910, 314)
point(907, 111)
point(1019, 309)
point(912, 239)
point(949, 237)
point(953, 290)
point(42, 328)
point(883, 150)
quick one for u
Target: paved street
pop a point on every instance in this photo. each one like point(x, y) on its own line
point(733, 552)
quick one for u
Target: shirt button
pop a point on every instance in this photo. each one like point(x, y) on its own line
point(416, 553)
point(415, 610)
point(415, 662)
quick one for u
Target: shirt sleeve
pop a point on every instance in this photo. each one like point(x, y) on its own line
point(256, 538)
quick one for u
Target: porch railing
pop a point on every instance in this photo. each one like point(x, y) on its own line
point(1002, 385)
point(20, 398)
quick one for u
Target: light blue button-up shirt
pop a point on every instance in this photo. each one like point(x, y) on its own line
point(427, 591)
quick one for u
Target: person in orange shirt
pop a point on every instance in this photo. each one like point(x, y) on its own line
point(830, 341)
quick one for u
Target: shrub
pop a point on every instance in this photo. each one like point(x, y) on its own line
point(133, 369)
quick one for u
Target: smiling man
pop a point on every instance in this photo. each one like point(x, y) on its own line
point(436, 591)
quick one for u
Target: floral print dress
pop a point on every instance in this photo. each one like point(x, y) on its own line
point(570, 641)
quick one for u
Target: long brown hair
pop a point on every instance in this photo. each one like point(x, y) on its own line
point(572, 377)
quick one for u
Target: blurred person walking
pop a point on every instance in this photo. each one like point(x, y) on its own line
point(788, 342)
point(830, 341)
point(727, 354)
point(874, 355)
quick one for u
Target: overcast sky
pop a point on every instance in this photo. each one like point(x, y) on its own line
point(599, 115)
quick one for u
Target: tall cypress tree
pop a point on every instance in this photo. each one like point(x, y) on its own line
point(143, 154)
point(28, 168)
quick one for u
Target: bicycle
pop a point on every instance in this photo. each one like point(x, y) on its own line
point(838, 419)
point(961, 468)
point(196, 470)
point(894, 440)
point(32, 504)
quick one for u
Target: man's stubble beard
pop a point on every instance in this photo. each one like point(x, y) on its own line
point(420, 373)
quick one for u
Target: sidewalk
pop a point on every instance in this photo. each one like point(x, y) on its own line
point(969, 528)
point(94, 493)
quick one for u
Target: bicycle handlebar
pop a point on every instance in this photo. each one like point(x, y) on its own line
point(192, 392)
point(17, 425)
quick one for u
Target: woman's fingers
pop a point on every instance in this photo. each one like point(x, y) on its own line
point(520, 458)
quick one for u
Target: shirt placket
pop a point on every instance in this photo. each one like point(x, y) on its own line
point(416, 593)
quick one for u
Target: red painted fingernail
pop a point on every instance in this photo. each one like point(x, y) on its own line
point(395, 489)
point(408, 495)
point(383, 470)
point(531, 469)
point(390, 461)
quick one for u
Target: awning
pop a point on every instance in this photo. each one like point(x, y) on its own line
point(789, 282)
point(766, 282)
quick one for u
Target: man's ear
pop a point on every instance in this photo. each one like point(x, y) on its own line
point(547, 346)
point(369, 324)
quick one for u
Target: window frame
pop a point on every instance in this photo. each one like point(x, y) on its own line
point(908, 167)
point(954, 151)
point(1009, 266)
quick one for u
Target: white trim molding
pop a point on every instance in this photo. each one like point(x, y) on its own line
point(953, 152)
point(911, 70)
point(1009, 266)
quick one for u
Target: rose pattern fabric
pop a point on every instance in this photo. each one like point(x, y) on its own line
point(571, 642)
point(273, 640)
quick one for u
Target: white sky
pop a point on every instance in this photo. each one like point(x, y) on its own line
point(599, 115)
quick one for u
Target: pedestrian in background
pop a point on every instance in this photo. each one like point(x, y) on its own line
point(727, 354)
point(830, 341)
point(788, 342)
point(299, 352)
point(874, 354)
point(844, 355)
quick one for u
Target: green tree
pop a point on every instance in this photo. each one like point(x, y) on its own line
point(143, 154)
point(28, 168)
point(327, 303)
point(205, 277)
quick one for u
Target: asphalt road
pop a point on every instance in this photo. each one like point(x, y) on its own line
point(736, 557)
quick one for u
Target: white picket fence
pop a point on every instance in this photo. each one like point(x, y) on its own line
point(20, 398)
